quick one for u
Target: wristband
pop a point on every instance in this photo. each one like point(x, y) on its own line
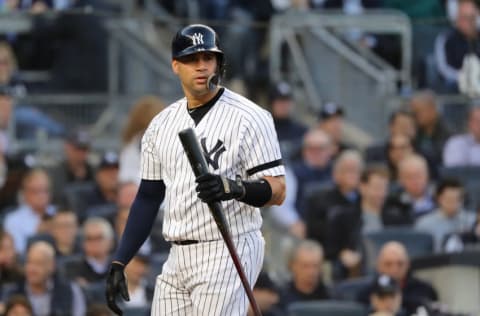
point(257, 193)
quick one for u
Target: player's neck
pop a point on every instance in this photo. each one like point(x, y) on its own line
point(194, 101)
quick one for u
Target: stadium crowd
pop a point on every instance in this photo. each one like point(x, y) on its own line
point(60, 223)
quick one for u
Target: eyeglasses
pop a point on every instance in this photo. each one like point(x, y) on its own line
point(37, 190)
point(94, 237)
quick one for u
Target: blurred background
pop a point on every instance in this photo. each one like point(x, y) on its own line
point(376, 104)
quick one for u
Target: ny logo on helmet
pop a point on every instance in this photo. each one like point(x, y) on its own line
point(197, 38)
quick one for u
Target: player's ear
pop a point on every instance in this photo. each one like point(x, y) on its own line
point(175, 66)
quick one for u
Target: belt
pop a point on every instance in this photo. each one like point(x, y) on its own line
point(185, 242)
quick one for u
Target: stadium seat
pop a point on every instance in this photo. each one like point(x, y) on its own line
point(95, 293)
point(417, 243)
point(348, 290)
point(136, 311)
point(327, 308)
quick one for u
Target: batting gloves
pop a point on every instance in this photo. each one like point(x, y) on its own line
point(214, 188)
point(116, 284)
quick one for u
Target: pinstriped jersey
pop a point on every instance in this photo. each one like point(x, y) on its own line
point(237, 138)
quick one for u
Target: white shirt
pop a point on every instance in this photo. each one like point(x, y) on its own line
point(129, 159)
point(22, 224)
point(461, 150)
point(239, 138)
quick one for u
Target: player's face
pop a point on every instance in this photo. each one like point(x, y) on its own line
point(194, 70)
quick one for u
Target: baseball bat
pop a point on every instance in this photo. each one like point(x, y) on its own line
point(199, 166)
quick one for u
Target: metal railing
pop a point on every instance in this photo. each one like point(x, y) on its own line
point(135, 68)
point(328, 67)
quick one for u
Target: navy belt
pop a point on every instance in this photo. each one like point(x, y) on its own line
point(185, 242)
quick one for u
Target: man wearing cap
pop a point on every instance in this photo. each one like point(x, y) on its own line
point(386, 297)
point(289, 131)
point(393, 260)
point(330, 120)
point(75, 167)
point(106, 181)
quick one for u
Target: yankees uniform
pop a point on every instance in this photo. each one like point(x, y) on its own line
point(238, 139)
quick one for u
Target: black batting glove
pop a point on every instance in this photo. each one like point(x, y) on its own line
point(214, 188)
point(116, 284)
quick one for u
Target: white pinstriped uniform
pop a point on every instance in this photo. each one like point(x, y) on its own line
point(240, 139)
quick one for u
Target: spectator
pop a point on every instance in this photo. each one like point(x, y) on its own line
point(399, 146)
point(267, 296)
point(331, 122)
point(386, 297)
point(47, 292)
point(432, 132)
point(346, 225)
point(449, 217)
point(64, 231)
point(400, 123)
point(104, 193)
point(140, 291)
point(139, 117)
point(467, 239)
point(346, 176)
point(29, 121)
point(8, 71)
point(98, 238)
point(452, 47)
point(305, 264)
point(286, 216)
point(6, 110)
point(289, 131)
point(393, 261)
point(34, 210)
point(464, 150)
point(18, 305)
point(314, 170)
point(75, 167)
point(11, 272)
point(415, 194)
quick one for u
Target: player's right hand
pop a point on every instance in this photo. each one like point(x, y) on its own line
point(116, 284)
point(214, 188)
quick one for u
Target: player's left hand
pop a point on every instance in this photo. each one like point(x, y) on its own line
point(214, 188)
point(116, 284)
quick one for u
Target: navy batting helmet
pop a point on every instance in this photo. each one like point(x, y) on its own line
point(195, 38)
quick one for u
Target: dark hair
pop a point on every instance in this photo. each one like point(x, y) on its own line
point(467, 1)
point(370, 171)
point(394, 115)
point(448, 183)
point(18, 300)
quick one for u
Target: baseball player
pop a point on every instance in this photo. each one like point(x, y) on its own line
point(240, 145)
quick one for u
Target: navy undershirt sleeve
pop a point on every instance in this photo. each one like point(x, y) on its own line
point(141, 218)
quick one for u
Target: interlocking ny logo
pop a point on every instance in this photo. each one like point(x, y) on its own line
point(197, 38)
point(216, 151)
